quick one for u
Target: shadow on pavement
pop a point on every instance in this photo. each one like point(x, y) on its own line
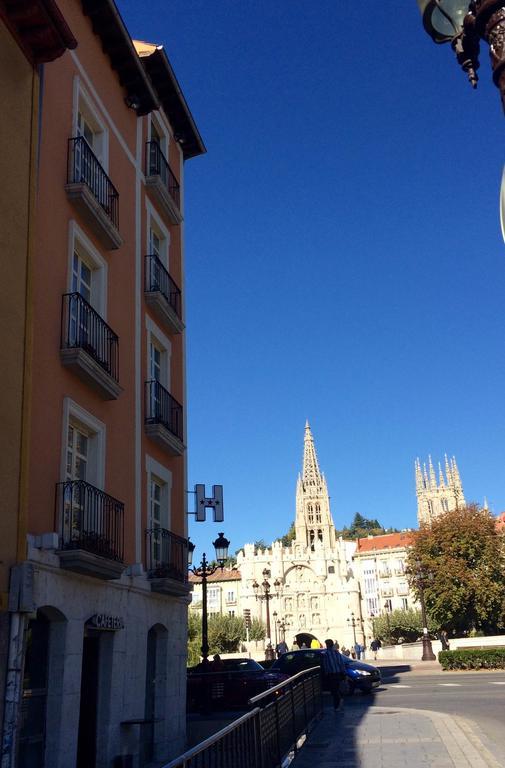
point(391, 671)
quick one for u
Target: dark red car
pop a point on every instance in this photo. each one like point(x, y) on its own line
point(231, 687)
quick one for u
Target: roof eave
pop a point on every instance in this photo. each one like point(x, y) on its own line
point(163, 77)
point(39, 28)
point(117, 44)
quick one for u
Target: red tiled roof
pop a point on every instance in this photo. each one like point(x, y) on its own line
point(229, 574)
point(387, 541)
point(500, 522)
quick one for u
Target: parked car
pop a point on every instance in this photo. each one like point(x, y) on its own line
point(232, 686)
point(359, 675)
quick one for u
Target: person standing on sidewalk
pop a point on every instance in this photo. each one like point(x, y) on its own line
point(333, 670)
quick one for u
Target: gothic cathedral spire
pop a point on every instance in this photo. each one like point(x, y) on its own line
point(433, 499)
point(314, 523)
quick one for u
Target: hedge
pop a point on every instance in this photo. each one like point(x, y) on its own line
point(480, 658)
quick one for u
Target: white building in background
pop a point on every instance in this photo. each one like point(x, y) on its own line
point(380, 567)
point(436, 497)
point(318, 592)
point(223, 592)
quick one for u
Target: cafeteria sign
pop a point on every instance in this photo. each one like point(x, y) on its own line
point(104, 621)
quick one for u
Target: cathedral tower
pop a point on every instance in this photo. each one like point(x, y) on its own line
point(314, 523)
point(436, 497)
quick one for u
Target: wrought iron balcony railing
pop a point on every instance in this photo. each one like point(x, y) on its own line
point(167, 555)
point(90, 519)
point(83, 328)
point(157, 165)
point(84, 167)
point(162, 408)
point(158, 279)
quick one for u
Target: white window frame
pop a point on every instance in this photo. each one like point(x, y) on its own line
point(78, 241)
point(157, 471)
point(154, 222)
point(74, 413)
point(156, 118)
point(82, 97)
point(156, 335)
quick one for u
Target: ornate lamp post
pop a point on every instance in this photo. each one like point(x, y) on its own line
point(388, 621)
point(421, 576)
point(203, 572)
point(274, 614)
point(352, 623)
point(464, 23)
point(266, 595)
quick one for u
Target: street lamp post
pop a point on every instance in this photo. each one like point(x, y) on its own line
point(203, 572)
point(352, 622)
point(421, 576)
point(388, 622)
point(274, 614)
point(464, 23)
point(267, 596)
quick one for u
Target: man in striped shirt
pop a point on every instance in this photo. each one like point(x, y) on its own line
point(333, 669)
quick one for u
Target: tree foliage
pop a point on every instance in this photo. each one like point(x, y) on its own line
point(362, 527)
point(289, 536)
point(225, 634)
point(258, 629)
point(459, 562)
point(404, 626)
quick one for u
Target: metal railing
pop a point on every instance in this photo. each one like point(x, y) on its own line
point(83, 328)
point(89, 519)
point(158, 279)
point(157, 165)
point(162, 408)
point(84, 167)
point(166, 555)
point(263, 737)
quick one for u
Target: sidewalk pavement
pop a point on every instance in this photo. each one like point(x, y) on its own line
point(392, 737)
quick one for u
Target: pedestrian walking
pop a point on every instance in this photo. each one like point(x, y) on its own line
point(444, 640)
point(375, 646)
point(333, 671)
point(358, 649)
point(282, 648)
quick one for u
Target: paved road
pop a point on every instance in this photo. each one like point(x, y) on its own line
point(477, 696)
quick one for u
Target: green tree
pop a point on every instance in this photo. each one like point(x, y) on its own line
point(258, 630)
point(459, 562)
point(225, 633)
point(289, 536)
point(194, 637)
point(404, 626)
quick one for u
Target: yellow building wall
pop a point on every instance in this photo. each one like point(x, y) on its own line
point(19, 99)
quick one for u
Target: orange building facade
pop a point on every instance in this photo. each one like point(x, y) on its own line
point(98, 604)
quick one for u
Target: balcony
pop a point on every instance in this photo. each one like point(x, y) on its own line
point(89, 347)
point(399, 570)
point(92, 193)
point(91, 526)
point(162, 182)
point(402, 589)
point(167, 562)
point(387, 591)
point(384, 573)
point(163, 295)
point(163, 422)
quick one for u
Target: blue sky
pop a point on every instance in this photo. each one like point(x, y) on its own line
point(343, 253)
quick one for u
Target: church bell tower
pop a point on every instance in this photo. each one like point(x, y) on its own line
point(313, 524)
point(436, 497)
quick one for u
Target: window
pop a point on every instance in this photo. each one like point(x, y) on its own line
point(83, 455)
point(231, 613)
point(388, 605)
point(405, 603)
point(158, 135)
point(318, 513)
point(445, 505)
point(331, 569)
point(89, 125)
point(159, 350)
point(230, 596)
point(373, 606)
point(159, 486)
point(87, 270)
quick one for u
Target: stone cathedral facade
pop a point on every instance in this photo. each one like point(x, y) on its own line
point(317, 591)
point(434, 497)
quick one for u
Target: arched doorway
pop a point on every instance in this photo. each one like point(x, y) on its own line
point(44, 640)
point(304, 640)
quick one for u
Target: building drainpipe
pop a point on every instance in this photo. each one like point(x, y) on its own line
point(13, 689)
